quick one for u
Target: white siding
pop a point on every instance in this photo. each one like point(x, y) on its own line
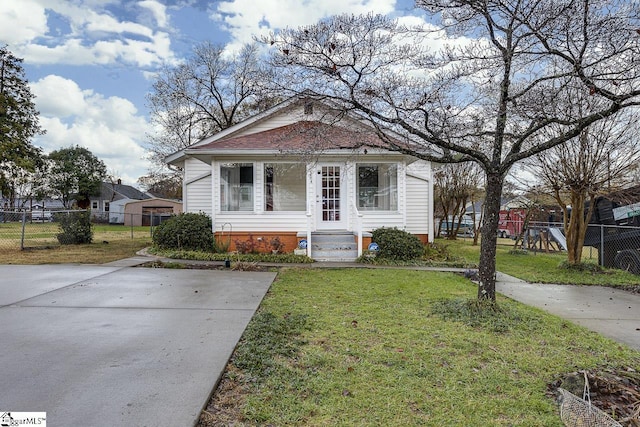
point(272, 122)
point(371, 220)
point(286, 117)
point(262, 222)
point(420, 168)
point(197, 179)
point(417, 194)
point(194, 168)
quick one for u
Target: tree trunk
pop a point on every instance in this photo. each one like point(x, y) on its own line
point(487, 268)
point(576, 227)
point(455, 223)
point(574, 253)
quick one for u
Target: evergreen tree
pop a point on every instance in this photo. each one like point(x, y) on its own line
point(18, 124)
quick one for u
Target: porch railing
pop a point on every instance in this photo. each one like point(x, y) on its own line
point(358, 226)
point(309, 216)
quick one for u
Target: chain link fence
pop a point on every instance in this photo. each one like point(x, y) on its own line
point(610, 246)
point(40, 229)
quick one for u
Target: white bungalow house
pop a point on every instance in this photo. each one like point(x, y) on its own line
point(301, 173)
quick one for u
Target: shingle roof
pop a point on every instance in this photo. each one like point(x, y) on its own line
point(126, 191)
point(304, 135)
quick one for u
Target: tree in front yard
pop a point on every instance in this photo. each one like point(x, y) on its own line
point(18, 124)
point(486, 81)
point(75, 174)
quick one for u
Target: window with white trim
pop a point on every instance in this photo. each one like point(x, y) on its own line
point(377, 186)
point(236, 187)
point(285, 187)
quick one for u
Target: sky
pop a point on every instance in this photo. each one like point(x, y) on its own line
point(91, 63)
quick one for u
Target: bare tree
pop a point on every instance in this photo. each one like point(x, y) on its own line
point(489, 84)
point(211, 91)
point(167, 186)
point(600, 160)
point(455, 185)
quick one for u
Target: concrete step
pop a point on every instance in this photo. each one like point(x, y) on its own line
point(336, 246)
point(325, 237)
point(335, 256)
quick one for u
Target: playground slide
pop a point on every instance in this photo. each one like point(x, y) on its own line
point(557, 235)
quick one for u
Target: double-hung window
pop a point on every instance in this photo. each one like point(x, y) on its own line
point(236, 187)
point(377, 186)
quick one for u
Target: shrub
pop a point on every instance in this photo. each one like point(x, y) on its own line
point(397, 244)
point(75, 227)
point(438, 252)
point(249, 246)
point(189, 231)
point(582, 267)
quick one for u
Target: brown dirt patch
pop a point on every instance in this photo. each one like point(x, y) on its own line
point(614, 391)
point(223, 409)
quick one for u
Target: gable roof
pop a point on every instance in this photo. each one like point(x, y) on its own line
point(302, 132)
point(128, 192)
point(303, 135)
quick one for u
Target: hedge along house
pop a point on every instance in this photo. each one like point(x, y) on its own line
point(302, 171)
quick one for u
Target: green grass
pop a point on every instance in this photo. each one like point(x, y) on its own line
point(283, 258)
point(398, 347)
point(110, 243)
point(94, 253)
point(542, 267)
point(40, 234)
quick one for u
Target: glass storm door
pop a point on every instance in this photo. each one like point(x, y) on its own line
point(330, 197)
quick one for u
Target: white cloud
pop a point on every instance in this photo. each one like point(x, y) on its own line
point(245, 18)
point(30, 16)
point(95, 22)
point(158, 10)
point(57, 96)
point(94, 36)
point(110, 127)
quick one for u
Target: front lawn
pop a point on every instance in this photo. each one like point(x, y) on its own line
point(366, 347)
point(540, 267)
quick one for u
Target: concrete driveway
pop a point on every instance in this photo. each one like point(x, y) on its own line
point(106, 345)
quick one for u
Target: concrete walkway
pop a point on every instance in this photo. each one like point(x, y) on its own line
point(113, 345)
point(610, 312)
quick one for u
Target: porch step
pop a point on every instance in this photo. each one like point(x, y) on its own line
point(334, 246)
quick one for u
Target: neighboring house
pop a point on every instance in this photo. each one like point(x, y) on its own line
point(286, 173)
point(29, 209)
point(142, 212)
point(112, 192)
point(20, 204)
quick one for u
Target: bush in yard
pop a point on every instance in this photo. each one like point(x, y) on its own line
point(397, 244)
point(188, 231)
point(75, 227)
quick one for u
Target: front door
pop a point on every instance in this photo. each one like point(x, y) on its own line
point(330, 196)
